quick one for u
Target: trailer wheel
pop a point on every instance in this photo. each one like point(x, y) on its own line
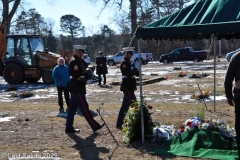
point(47, 77)
point(13, 74)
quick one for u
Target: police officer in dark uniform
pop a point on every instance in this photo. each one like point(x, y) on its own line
point(101, 62)
point(128, 85)
point(233, 74)
point(77, 87)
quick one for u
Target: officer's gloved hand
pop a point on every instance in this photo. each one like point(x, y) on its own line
point(230, 101)
point(82, 80)
point(88, 74)
point(137, 65)
point(136, 72)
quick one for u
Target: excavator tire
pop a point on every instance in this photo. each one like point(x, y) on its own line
point(13, 74)
point(47, 77)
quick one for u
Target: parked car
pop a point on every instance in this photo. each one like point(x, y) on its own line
point(117, 58)
point(86, 58)
point(184, 54)
point(229, 55)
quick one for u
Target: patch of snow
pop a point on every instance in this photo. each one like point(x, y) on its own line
point(152, 92)
point(41, 90)
point(185, 97)
point(216, 97)
point(158, 73)
point(147, 98)
point(6, 100)
point(170, 82)
point(161, 92)
point(5, 119)
point(38, 97)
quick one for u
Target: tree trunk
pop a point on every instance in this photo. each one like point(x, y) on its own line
point(72, 37)
point(133, 4)
point(6, 15)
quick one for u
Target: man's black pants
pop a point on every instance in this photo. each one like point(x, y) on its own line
point(237, 122)
point(60, 98)
point(99, 79)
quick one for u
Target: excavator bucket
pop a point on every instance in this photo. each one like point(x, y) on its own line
point(48, 59)
point(66, 55)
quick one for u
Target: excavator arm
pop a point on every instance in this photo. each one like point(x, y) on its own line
point(3, 41)
point(3, 44)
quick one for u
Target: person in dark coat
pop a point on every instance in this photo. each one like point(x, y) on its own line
point(60, 76)
point(77, 87)
point(128, 85)
point(233, 74)
point(101, 62)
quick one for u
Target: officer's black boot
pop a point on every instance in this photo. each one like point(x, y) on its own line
point(61, 109)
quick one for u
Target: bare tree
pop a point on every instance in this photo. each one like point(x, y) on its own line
point(9, 8)
point(119, 5)
point(7, 13)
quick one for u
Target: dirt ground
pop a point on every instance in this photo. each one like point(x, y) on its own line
point(37, 131)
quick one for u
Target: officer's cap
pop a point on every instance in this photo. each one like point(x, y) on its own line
point(80, 47)
point(128, 50)
point(100, 52)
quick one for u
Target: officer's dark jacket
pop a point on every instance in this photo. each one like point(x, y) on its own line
point(233, 73)
point(101, 60)
point(77, 84)
point(128, 80)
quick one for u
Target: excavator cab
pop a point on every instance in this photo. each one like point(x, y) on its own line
point(22, 49)
point(25, 59)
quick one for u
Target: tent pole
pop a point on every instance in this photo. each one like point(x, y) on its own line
point(220, 49)
point(214, 73)
point(140, 85)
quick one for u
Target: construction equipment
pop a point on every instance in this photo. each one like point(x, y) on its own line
point(24, 58)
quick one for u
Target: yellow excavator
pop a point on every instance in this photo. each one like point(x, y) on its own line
point(24, 58)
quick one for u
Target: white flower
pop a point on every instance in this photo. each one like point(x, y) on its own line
point(204, 126)
point(187, 128)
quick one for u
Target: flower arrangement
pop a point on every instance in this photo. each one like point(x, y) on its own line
point(181, 74)
point(198, 75)
point(23, 94)
point(207, 124)
point(205, 74)
point(132, 122)
point(12, 88)
point(5, 115)
point(162, 133)
point(177, 68)
point(202, 95)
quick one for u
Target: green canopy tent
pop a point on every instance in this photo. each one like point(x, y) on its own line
point(197, 21)
point(202, 19)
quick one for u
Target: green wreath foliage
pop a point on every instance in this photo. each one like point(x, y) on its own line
point(132, 122)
